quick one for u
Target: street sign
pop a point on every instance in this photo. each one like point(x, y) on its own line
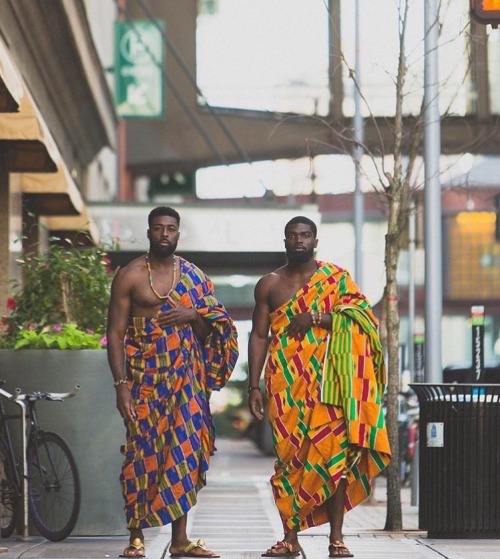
point(477, 321)
point(138, 69)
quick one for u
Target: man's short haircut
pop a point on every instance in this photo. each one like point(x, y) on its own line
point(305, 220)
point(163, 210)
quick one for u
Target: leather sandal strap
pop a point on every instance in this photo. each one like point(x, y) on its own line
point(283, 544)
point(198, 544)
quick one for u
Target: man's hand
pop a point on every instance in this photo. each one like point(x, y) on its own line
point(256, 404)
point(299, 325)
point(178, 316)
point(125, 404)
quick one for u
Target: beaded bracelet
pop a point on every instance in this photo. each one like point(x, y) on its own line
point(250, 388)
point(316, 318)
point(117, 383)
point(313, 318)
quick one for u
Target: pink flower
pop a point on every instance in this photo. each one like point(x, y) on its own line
point(104, 341)
point(57, 328)
point(89, 331)
point(11, 303)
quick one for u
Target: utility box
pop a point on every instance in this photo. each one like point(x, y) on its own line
point(459, 473)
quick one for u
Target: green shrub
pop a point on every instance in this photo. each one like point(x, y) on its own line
point(62, 300)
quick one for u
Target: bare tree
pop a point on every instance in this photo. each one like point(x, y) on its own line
point(396, 185)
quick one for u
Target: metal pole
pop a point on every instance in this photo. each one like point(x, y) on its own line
point(432, 216)
point(411, 287)
point(24, 472)
point(358, 152)
point(415, 473)
point(412, 229)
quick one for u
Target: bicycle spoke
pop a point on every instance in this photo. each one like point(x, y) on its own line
point(9, 496)
point(54, 493)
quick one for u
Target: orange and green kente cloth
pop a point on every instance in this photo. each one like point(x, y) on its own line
point(325, 400)
point(171, 374)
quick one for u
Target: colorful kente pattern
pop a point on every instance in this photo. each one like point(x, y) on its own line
point(171, 374)
point(320, 438)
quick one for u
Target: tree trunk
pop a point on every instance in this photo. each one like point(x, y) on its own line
point(394, 518)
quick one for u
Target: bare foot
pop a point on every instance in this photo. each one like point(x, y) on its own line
point(337, 548)
point(192, 549)
point(283, 549)
point(136, 546)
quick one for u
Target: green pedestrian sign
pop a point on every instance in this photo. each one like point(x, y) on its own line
point(138, 69)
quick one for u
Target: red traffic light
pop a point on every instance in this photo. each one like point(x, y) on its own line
point(486, 11)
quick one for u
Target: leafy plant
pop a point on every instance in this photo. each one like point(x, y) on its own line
point(67, 336)
point(61, 301)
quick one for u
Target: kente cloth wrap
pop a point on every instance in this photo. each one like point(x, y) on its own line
point(171, 373)
point(325, 400)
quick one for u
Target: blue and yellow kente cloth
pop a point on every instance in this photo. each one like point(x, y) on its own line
point(171, 375)
point(325, 400)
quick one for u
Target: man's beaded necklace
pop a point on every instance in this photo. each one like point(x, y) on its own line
point(151, 278)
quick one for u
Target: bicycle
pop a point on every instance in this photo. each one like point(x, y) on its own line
point(46, 485)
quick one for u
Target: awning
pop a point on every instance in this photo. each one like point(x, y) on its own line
point(72, 226)
point(51, 193)
point(25, 142)
point(11, 89)
point(27, 147)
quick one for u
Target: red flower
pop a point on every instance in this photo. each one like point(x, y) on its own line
point(11, 303)
point(106, 261)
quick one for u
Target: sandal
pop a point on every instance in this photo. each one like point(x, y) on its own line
point(281, 549)
point(339, 549)
point(188, 551)
point(134, 549)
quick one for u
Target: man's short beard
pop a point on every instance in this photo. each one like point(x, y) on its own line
point(299, 257)
point(162, 251)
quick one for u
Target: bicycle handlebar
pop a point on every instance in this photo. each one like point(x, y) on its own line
point(38, 395)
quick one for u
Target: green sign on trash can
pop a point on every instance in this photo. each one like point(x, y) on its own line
point(138, 68)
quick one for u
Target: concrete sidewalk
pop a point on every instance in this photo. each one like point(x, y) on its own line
point(237, 517)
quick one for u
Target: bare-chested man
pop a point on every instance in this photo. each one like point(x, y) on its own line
point(165, 327)
point(324, 354)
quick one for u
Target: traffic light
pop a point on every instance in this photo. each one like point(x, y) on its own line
point(486, 12)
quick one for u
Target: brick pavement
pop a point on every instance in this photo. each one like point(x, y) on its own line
point(237, 517)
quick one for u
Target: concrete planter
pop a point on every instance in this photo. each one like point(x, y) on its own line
point(89, 423)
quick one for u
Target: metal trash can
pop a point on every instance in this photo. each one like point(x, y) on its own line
point(459, 475)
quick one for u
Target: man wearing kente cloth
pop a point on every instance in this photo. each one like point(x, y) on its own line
point(170, 344)
point(324, 379)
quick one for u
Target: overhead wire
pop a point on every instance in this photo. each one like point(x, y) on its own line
point(175, 53)
point(193, 117)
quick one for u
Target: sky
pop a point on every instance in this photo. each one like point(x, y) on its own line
point(273, 55)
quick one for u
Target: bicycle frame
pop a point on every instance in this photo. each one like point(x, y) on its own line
point(24, 445)
point(27, 402)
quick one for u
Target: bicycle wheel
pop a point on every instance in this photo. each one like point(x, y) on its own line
point(9, 495)
point(54, 486)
